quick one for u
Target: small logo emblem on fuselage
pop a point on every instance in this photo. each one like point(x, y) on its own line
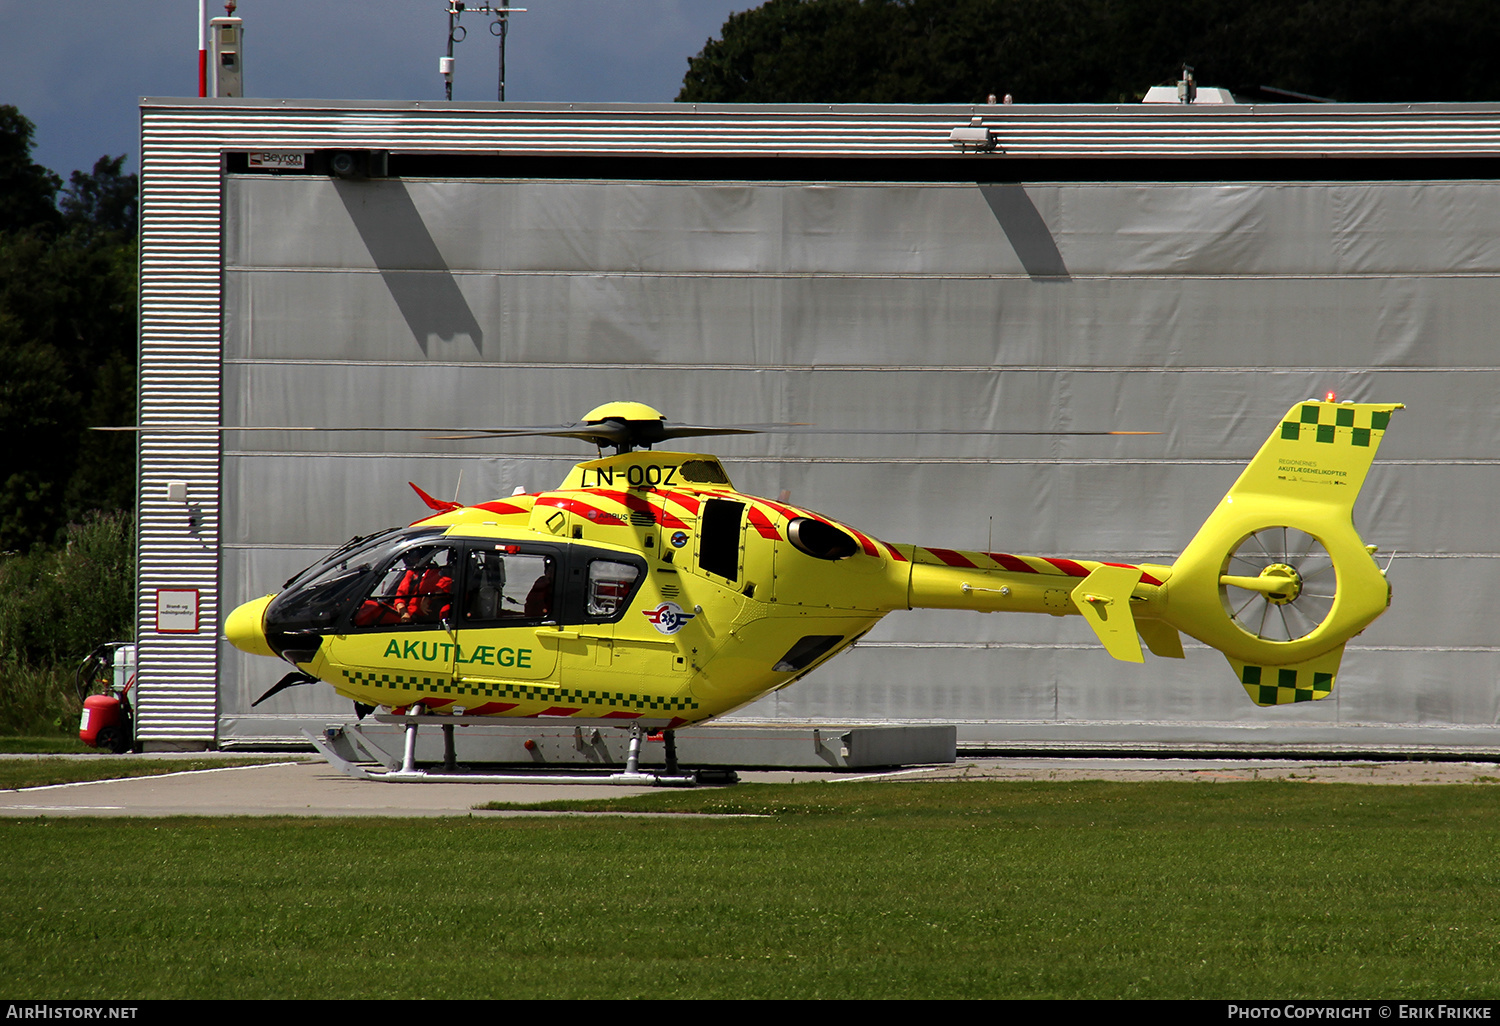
point(679, 539)
point(668, 617)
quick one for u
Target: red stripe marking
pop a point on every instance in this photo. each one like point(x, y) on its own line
point(895, 554)
point(490, 708)
point(1015, 564)
point(1067, 566)
point(583, 509)
point(667, 519)
point(502, 507)
point(865, 543)
point(787, 511)
point(620, 716)
point(686, 501)
point(762, 523)
point(640, 505)
point(1131, 566)
point(560, 710)
point(952, 558)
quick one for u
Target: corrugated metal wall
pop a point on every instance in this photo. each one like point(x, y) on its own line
point(1199, 309)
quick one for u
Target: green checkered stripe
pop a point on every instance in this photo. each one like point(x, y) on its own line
point(1322, 422)
point(612, 699)
point(521, 692)
point(1291, 685)
point(395, 681)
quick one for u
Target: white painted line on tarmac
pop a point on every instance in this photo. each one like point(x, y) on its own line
point(892, 775)
point(67, 808)
point(146, 776)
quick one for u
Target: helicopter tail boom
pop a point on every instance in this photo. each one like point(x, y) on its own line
point(1277, 578)
point(1107, 595)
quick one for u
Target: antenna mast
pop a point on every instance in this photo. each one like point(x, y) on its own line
point(500, 27)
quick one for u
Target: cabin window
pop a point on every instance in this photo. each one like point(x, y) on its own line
point(610, 585)
point(509, 586)
point(719, 537)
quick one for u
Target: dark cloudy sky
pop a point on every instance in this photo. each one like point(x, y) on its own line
point(78, 68)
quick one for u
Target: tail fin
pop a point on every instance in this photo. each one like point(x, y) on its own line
point(1277, 578)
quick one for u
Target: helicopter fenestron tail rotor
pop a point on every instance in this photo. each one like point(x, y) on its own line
point(1278, 578)
point(1279, 584)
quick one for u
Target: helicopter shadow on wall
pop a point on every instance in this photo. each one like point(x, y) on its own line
point(1027, 231)
point(421, 283)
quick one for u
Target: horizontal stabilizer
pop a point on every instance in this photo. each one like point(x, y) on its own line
point(1299, 682)
point(1103, 597)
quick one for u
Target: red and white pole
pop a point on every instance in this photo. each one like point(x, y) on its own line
point(202, 48)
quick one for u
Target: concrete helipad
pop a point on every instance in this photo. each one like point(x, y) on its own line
point(317, 789)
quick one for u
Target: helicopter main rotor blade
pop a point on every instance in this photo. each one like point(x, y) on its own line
point(959, 431)
point(180, 429)
point(610, 432)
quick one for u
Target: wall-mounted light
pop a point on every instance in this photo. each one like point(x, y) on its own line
point(351, 164)
point(974, 138)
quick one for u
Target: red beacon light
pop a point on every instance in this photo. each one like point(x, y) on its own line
point(1330, 398)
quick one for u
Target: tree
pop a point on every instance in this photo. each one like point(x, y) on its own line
point(104, 200)
point(67, 341)
point(27, 189)
point(1096, 51)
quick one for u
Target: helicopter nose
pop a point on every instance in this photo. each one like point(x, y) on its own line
point(244, 627)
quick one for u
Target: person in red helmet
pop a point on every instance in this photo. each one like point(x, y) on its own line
point(425, 594)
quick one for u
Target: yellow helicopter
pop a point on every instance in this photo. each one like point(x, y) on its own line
point(646, 591)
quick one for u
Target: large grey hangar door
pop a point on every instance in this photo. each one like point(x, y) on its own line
point(889, 311)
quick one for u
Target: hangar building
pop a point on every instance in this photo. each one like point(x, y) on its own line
point(1192, 271)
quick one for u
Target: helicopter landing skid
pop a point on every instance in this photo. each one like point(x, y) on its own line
point(408, 773)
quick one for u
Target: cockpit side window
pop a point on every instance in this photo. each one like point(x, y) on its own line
point(337, 589)
point(417, 588)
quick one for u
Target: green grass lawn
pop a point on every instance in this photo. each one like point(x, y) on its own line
point(41, 771)
point(58, 744)
point(980, 889)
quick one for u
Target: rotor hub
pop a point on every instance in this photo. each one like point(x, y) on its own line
point(1277, 573)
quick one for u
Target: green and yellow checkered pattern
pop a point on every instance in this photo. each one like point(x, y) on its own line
point(1327, 422)
point(522, 692)
point(1291, 684)
point(394, 681)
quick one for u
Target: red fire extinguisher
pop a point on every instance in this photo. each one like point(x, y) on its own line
point(108, 721)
